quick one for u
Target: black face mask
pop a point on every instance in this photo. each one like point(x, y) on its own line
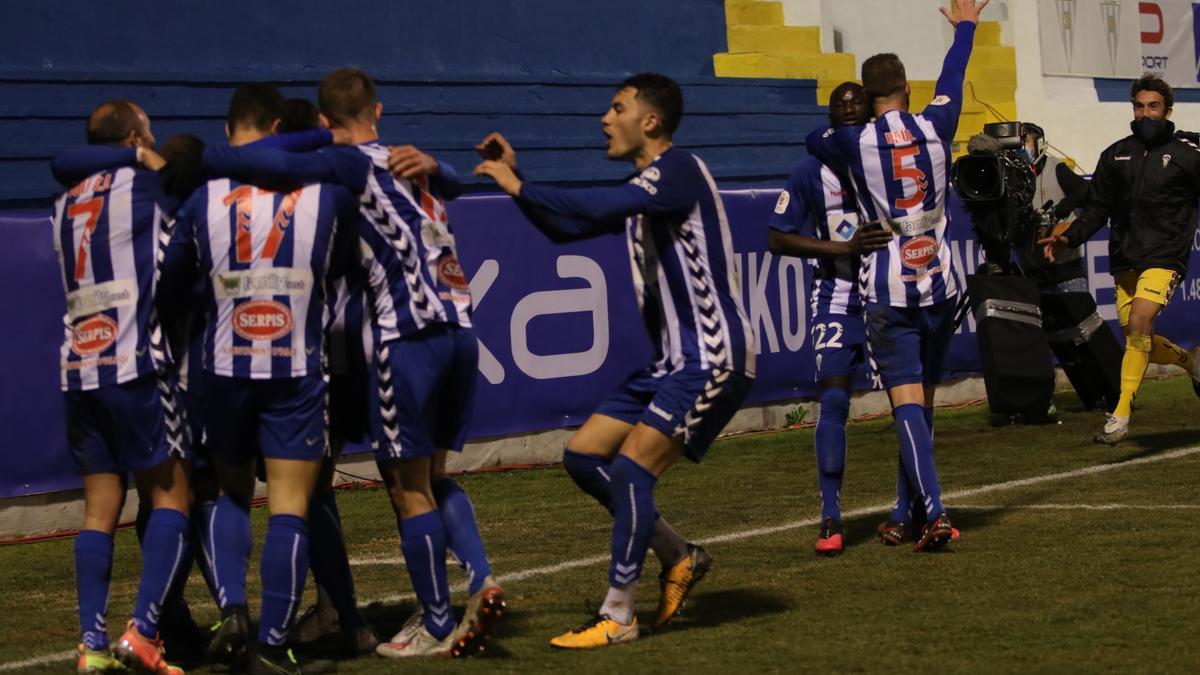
point(1152, 132)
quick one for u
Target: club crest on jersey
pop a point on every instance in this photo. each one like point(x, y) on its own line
point(262, 320)
point(93, 335)
point(451, 273)
point(782, 203)
point(918, 252)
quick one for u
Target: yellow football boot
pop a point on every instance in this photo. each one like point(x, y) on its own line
point(599, 632)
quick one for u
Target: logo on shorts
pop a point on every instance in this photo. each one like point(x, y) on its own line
point(918, 252)
point(451, 273)
point(262, 320)
point(660, 412)
point(93, 335)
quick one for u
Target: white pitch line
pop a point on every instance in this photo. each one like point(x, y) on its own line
point(747, 534)
point(1078, 507)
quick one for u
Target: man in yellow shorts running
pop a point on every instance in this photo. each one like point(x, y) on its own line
point(1147, 184)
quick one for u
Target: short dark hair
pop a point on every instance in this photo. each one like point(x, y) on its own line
point(1153, 83)
point(346, 94)
point(256, 105)
point(661, 93)
point(111, 122)
point(883, 75)
point(299, 114)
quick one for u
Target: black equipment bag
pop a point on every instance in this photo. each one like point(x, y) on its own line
point(1085, 347)
point(1017, 370)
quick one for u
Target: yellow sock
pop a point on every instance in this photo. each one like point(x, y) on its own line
point(1168, 353)
point(1133, 368)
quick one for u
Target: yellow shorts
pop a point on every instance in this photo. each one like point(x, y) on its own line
point(1154, 284)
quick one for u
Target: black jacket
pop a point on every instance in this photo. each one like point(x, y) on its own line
point(1150, 195)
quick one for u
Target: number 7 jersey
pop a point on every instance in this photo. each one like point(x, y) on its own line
point(106, 232)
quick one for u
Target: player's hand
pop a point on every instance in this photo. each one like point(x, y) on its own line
point(341, 137)
point(1053, 245)
point(495, 147)
point(406, 161)
point(963, 10)
point(150, 159)
point(502, 173)
point(866, 240)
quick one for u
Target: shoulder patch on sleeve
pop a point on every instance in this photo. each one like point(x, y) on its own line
point(940, 100)
point(652, 174)
point(828, 132)
point(781, 205)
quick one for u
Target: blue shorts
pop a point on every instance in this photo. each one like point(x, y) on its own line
point(122, 427)
point(839, 344)
point(425, 392)
point(194, 402)
point(695, 404)
point(909, 343)
point(277, 419)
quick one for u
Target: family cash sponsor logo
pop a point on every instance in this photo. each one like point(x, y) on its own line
point(93, 335)
point(918, 252)
point(262, 320)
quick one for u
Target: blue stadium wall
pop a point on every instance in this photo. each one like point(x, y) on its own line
point(449, 72)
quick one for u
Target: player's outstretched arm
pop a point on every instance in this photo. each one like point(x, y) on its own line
point(264, 165)
point(72, 165)
point(963, 10)
point(409, 162)
point(496, 147)
point(296, 141)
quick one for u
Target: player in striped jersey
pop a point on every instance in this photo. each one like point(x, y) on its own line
point(689, 290)
point(122, 407)
point(426, 353)
point(900, 167)
point(265, 253)
point(816, 217)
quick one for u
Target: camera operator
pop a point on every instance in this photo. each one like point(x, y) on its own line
point(1055, 183)
point(1147, 184)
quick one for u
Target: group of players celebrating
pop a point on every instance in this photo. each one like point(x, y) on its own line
point(252, 307)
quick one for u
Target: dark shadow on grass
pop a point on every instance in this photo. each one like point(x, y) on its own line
point(1161, 441)
point(715, 608)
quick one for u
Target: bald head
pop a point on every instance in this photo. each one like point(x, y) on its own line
point(119, 122)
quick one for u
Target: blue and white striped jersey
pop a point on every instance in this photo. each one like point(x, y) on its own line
point(817, 203)
point(266, 256)
point(684, 271)
point(414, 279)
point(106, 233)
point(900, 165)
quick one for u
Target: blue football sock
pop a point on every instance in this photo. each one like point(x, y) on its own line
point(916, 452)
point(634, 514)
point(163, 554)
point(229, 540)
point(593, 475)
point(201, 545)
point(831, 450)
point(283, 569)
point(462, 531)
point(93, 572)
point(328, 559)
point(423, 542)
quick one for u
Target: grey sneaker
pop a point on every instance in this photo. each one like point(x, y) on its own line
point(1115, 431)
point(420, 643)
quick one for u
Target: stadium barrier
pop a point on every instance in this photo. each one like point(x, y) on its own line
point(558, 325)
